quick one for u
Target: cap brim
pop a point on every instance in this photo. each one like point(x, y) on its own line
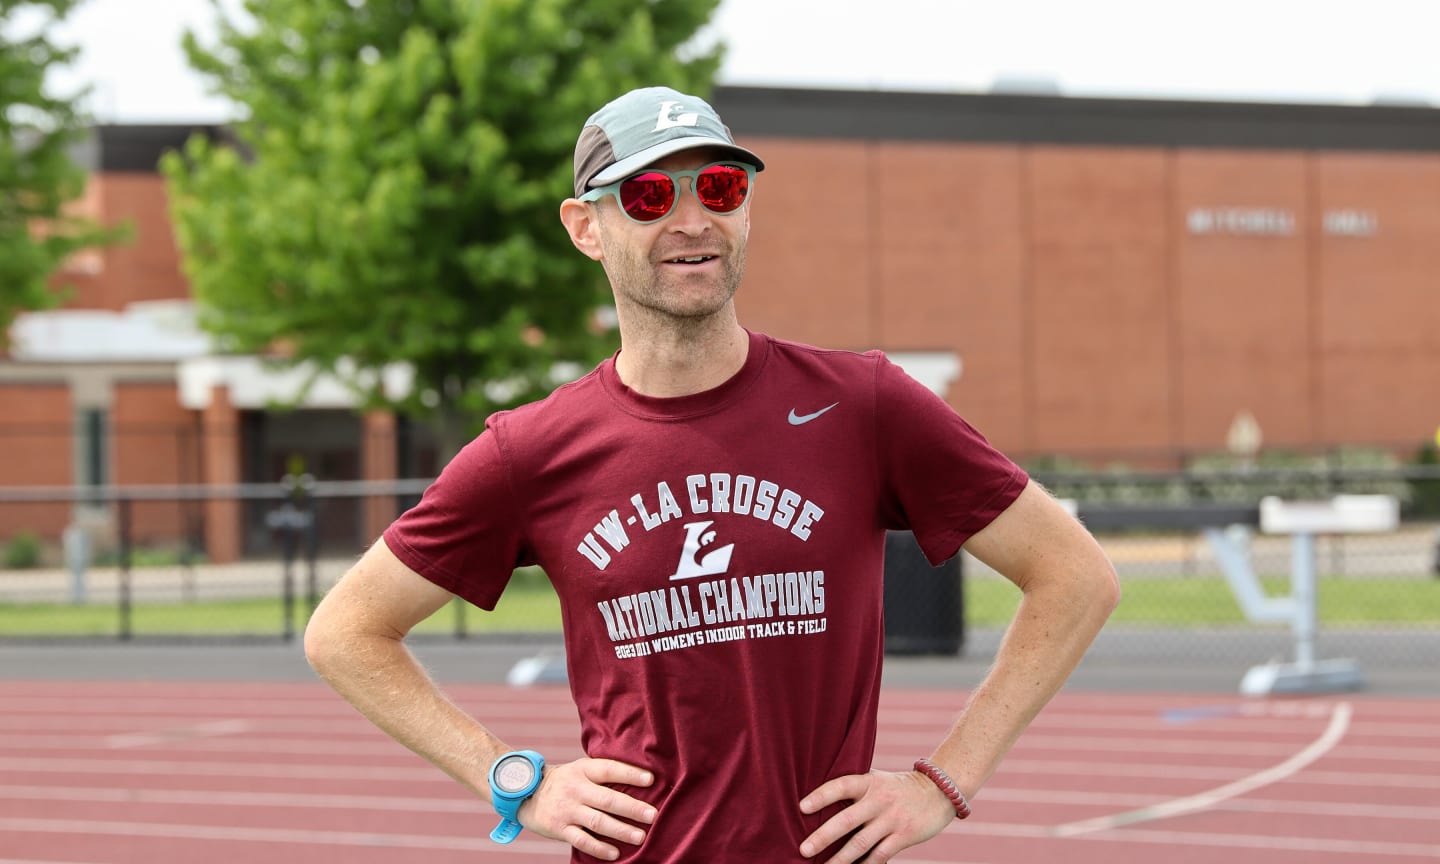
point(650, 155)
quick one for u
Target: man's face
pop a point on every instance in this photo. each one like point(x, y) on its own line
point(686, 265)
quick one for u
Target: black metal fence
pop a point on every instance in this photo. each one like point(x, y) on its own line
point(129, 563)
point(133, 562)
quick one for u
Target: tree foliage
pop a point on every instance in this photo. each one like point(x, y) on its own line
point(392, 193)
point(38, 177)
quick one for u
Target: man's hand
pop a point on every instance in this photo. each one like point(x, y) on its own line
point(887, 813)
point(574, 803)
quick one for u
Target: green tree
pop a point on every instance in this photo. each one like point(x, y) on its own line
point(392, 192)
point(38, 177)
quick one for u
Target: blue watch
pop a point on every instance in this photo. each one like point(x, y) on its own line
point(513, 779)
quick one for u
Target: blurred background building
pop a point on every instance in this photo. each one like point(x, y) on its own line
point(1100, 279)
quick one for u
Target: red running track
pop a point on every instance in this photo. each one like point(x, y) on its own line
point(166, 773)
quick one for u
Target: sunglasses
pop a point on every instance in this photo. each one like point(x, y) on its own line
point(649, 196)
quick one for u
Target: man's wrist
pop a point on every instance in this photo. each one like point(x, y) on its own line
point(514, 777)
point(946, 784)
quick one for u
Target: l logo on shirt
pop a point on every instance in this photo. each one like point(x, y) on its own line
point(714, 563)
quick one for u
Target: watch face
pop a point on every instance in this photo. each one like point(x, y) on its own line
point(515, 773)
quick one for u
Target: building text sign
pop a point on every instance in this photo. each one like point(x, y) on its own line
point(1277, 222)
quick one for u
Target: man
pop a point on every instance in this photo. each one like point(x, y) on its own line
point(711, 507)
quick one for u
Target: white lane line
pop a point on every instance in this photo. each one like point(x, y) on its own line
point(462, 804)
point(425, 773)
point(178, 733)
point(1350, 779)
point(1337, 809)
point(907, 861)
point(287, 800)
point(1180, 746)
point(459, 803)
point(1355, 848)
point(1339, 722)
point(1168, 744)
point(1195, 839)
point(517, 705)
point(151, 767)
point(221, 736)
point(478, 843)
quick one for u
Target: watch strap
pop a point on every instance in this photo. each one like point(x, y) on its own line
point(506, 831)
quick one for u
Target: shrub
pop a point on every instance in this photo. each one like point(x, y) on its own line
point(23, 551)
point(1425, 491)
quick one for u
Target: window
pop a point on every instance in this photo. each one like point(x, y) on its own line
point(92, 468)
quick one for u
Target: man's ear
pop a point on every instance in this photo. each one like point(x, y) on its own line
point(583, 225)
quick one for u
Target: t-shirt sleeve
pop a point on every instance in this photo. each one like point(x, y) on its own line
point(464, 535)
point(939, 477)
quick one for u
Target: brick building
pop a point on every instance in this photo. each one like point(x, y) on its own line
point(1108, 279)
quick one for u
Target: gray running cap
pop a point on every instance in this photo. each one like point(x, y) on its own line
point(644, 126)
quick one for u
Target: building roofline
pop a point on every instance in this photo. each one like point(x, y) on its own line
point(137, 147)
point(999, 118)
point(1047, 119)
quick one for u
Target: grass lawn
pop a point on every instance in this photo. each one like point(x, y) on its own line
point(1182, 602)
point(529, 605)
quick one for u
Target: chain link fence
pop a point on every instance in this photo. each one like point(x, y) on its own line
point(131, 563)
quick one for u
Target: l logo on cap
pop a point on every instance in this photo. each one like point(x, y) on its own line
point(668, 118)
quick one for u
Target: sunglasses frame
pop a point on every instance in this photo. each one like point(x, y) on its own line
point(599, 192)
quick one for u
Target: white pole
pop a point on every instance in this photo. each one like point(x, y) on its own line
point(1302, 589)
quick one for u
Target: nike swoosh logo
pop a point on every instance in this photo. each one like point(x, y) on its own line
point(802, 419)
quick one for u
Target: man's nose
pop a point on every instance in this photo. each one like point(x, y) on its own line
point(690, 215)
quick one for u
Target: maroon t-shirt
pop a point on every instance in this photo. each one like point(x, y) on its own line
point(719, 561)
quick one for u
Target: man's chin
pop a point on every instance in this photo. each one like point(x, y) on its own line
point(694, 301)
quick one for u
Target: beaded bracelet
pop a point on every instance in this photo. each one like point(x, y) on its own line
point(938, 776)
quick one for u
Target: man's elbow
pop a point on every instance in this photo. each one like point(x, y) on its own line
point(1104, 586)
point(319, 641)
point(330, 637)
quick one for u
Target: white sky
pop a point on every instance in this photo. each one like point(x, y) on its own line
point(1247, 50)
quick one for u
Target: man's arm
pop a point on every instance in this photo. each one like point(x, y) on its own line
point(355, 642)
point(1070, 589)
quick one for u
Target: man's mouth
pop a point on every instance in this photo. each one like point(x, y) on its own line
point(690, 259)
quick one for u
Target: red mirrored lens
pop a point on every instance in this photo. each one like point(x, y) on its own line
point(647, 197)
point(722, 188)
